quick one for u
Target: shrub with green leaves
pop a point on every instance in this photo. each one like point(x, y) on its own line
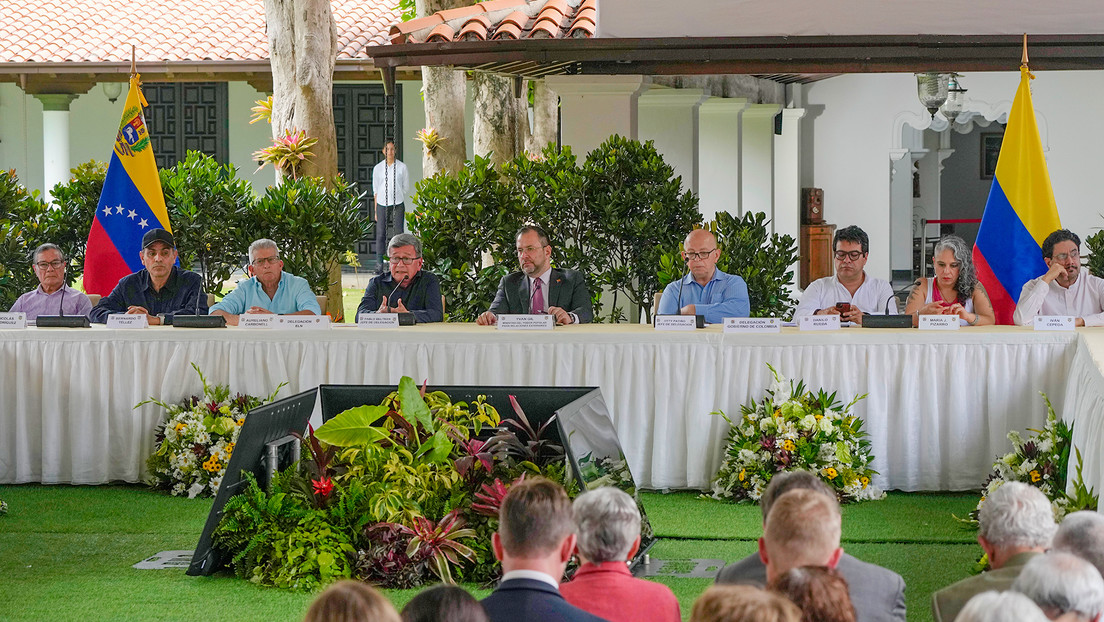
point(76, 202)
point(23, 226)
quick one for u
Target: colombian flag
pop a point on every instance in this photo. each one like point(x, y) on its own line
point(131, 203)
point(1020, 212)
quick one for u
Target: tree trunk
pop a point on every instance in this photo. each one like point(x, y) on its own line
point(445, 90)
point(546, 119)
point(501, 120)
point(302, 41)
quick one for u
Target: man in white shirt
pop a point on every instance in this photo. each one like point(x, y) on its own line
point(1065, 289)
point(851, 292)
point(390, 186)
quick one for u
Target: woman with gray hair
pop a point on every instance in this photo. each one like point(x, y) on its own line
point(955, 290)
point(608, 529)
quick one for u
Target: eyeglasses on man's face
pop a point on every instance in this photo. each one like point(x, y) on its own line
point(1059, 257)
point(46, 265)
point(265, 261)
point(852, 255)
point(695, 256)
point(528, 250)
point(406, 261)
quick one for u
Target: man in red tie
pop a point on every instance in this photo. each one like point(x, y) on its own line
point(539, 288)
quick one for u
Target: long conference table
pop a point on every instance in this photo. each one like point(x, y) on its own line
point(938, 406)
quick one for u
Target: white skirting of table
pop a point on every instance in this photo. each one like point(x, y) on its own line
point(938, 408)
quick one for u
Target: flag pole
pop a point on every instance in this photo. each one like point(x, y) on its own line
point(1023, 61)
point(134, 68)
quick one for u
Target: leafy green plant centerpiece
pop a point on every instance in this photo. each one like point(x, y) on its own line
point(406, 492)
point(196, 440)
point(790, 429)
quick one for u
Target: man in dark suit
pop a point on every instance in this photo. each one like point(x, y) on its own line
point(534, 541)
point(877, 594)
point(539, 288)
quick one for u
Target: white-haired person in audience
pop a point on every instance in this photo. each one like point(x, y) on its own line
point(608, 528)
point(534, 541)
point(1016, 524)
point(743, 603)
point(878, 594)
point(1064, 586)
point(995, 606)
point(1082, 533)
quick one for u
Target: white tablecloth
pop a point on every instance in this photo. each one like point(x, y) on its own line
point(939, 405)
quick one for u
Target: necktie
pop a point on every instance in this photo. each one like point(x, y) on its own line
point(538, 297)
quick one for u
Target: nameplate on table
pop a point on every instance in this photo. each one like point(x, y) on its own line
point(939, 322)
point(676, 322)
point(13, 319)
point(819, 322)
point(127, 320)
point(378, 320)
point(305, 322)
point(257, 320)
point(1055, 322)
point(752, 325)
point(524, 321)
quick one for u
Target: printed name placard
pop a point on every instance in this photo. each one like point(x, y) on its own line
point(676, 322)
point(939, 322)
point(127, 320)
point(752, 325)
point(1054, 322)
point(523, 321)
point(257, 320)
point(819, 322)
point(13, 319)
point(304, 322)
point(378, 320)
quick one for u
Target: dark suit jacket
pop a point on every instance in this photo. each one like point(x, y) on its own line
point(877, 593)
point(566, 290)
point(529, 600)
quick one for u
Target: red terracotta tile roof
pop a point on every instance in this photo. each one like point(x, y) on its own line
point(503, 20)
point(59, 31)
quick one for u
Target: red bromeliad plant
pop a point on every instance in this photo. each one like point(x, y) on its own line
point(489, 501)
point(440, 543)
point(287, 153)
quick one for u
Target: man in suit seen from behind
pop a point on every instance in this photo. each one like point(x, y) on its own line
point(534, 541)
point(878, 594)
point(539, 288)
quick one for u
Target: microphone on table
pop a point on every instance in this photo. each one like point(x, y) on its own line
point(388, 299)
point(61, 320)
point(405, 319)
point(886, 320)
point(699, 320)
point(199, 321)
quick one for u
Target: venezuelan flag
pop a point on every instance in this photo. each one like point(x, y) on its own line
point(1020, 212)
point(131, 202)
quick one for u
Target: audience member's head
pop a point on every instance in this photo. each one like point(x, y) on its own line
point(608, 524)
point(1063, 585)
point(803, 529)
point(351, 601)
point(1014, 519)
point(1000, 607)
point(743, 603)
point(820, 592)
point(786, 481)
point(536, 528)
point(1082, 533)
point(444, 603)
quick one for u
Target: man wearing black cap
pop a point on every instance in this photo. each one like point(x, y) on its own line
point(160, 290)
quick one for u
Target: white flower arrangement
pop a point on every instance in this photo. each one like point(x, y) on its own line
point(794, 429)
point(197, 438)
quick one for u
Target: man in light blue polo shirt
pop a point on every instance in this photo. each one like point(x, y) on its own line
point(270, 290)
point(705, 290)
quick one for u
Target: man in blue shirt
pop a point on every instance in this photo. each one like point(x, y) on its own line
point(405, 288)
point(705, 290)
point(160, 290)
point(269, 290)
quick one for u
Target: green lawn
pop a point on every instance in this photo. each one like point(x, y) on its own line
point(66, 552)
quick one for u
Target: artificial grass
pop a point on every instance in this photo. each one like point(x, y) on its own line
point(66, 552)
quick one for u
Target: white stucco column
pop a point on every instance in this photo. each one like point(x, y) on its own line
point(786, 219)
point(757, 158)
point(719, 156)
point(670, 118)
point(594, 107)
point(55, 138)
